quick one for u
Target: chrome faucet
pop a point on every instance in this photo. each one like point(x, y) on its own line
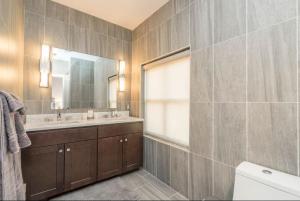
point(58, 117)
point(113, 113)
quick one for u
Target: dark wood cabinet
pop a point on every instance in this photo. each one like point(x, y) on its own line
point(119, 149)
point(80, 164)
point(59, 160)
point(131, 150)
point(62, 160)
point(43, 171)
point(110, 154)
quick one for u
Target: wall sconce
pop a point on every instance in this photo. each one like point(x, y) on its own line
point(122, 68)
point(45, 66)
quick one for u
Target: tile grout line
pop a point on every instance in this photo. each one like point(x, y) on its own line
point(189, 184)
point(251, 32)
point(211, 159)
point(170, 164)
point(213, 98)
point(247, 109)
point(298, 140)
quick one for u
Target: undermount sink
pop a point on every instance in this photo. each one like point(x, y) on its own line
point(115, 118)
point(60, 122)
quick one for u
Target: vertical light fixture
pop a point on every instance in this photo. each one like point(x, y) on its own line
point(122, 69)
point(45, 66)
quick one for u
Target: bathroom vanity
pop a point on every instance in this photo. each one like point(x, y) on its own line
point(69, 156)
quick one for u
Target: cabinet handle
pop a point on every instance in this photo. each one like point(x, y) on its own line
point(68, 150)
point(60, 151)
point(126, 140)
point(121, 141)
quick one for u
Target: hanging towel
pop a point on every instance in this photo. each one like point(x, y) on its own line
point(13, 109)
point(12, 186)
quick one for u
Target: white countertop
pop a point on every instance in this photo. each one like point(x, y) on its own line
point(79, 123)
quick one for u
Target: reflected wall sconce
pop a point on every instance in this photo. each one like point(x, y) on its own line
point(122, 80)
point(45, 66)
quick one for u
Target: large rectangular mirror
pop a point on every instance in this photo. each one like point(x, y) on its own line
point(83, 81)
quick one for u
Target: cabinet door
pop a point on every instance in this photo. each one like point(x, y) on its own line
point(110, 157)
point(131, 160)
point(80, 164)
point(43, 169)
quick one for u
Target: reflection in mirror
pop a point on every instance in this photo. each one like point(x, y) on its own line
point(113, 91)
point(83, 81)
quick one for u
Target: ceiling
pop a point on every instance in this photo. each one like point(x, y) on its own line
point(126, 13)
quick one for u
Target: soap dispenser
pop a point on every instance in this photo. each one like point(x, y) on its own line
point(90, 114)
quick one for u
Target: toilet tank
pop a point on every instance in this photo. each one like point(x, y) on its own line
point(254, 182)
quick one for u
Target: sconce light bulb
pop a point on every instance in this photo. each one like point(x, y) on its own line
point(122, 68)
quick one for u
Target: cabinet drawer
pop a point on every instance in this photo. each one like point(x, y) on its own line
point(120, 129)
point(52, 137)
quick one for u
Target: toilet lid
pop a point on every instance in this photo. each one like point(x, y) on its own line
point(270, 177)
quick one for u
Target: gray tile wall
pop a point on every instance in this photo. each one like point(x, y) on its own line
point(244, 86)
point(63, 27)
point(11, 46)
point(167, 30)
point(168, 163)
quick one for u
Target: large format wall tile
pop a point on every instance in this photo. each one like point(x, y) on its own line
point(160, 16)
point(165, 38)
point(79, 19)
point(223, 181)
point(126, 55)
point(142, 50)
point(150, 159)
point(153, 44)
point(230, 70)
point(34, 34)
point(202, 75)
point(56, 33)
point(230, 19)
point(33, 107)
point(11, 46)
point(179, 170)
point(230, 133)
point(201, 135)
point(35, 6)
point(180, 34)
point(78, 39)
point(98, 44)
point(4, 15)
point(98, 25)
point(57, 11)
point(262, 13)
point(163, 162)
point(273, 135)
point(179, 5)
point(200, 178)
point(115, 48)
point(31, 79)
point(272, 64)
point(201, 16)
point(126, 34)
point(141, 30)
point(115, 31)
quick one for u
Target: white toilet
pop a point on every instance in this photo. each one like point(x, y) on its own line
point(254, 182)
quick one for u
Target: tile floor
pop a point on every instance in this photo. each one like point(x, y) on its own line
point(139, 185)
